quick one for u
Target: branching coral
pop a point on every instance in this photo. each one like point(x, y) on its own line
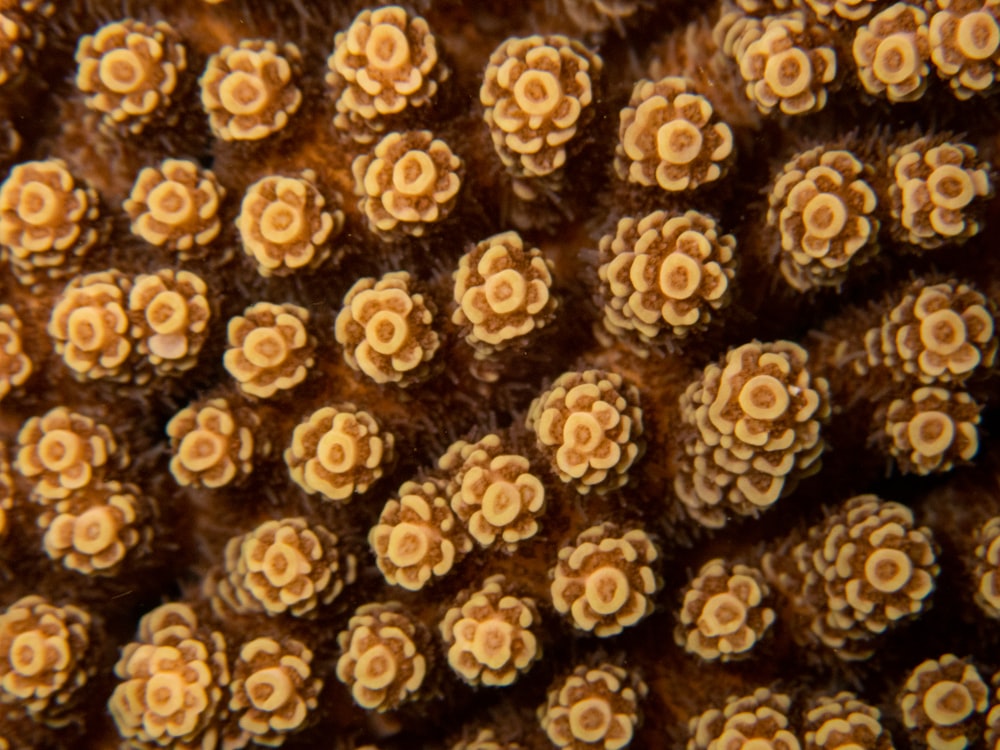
point(129, 71)
point(589, 425)
point(670, 137)
point(605, 581)
point(250, 91)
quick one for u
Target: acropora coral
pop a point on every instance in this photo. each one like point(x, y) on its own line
point(484, 375)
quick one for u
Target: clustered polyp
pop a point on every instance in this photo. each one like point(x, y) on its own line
point(939, 191)
point(892, 53)
point(339, 452)
point(407, 183)
point(272, 692)
point(284, 225)
point(864, 570)
point(284, 566)
point(386, 330)
point(943, 703)
point(589, 425)
point(537, 94)
point(269, 348)
point(49, 221)
point(502, 292)
point(605, 581)
point(751, 721)
point(985, 573)
point(932, 429)
point(212, 444)
point(170, 314)
point(15, 365)
point(383, 65)
point(418, 537)
point(844, 721)
point(63, 451)
point(725, 612)
point(93, 529)
point(382, 656)
point(753, 428)
point(593, 707)
point(175, 205)
point(129, 70)
point(788, 64)
point(670, 137)
point(964, 39)
point(494, 493)
point(44, 658)
point(489, 634)
point(823, 207)
point(249, 91)
point(935, 334)
point(171, 681)
point(663, 276)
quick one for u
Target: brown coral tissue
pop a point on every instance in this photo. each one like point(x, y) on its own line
point(486, 375)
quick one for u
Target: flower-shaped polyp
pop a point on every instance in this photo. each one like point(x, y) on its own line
point(599, 15)
point(724, 613)
point(789, 65)
point(537, 94)
point(670, 137)
point(823, 208)
point(489, 635)
point(176, 205)
point(593, 707)
point(605, 581)
point(417, 536)
point(494, 493)
point(939, 191)
point(270, 349)
point(249, 91)
point(754, 721)
point(284, 566)
point(89, 327)
point(940, 333)
point(964, 38)
point(891, 53)
point(663, 275)
point(48, 221)
point(756, 423)
point(63, 451)
point(283, 224)
point(381, 659)
point(385, 63)
point(170, 315)
point(386, 330)
point(842, 721)
point(503, 292)
point(589, 424)
point(408, 182)
point(986, 567)
point(212, 443)
point(129, 70)
point(272, 692)
point(338, 452)
point(15, 366)
point(94, 528)
point(43, 657)
point(932, 429)
point(943, 702)
point(172, 681)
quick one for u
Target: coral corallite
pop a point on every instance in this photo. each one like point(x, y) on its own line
point(485, 375)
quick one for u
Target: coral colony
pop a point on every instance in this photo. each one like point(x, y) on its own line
point(499, 376)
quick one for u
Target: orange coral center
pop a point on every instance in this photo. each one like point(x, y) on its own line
point(243, 93)
point(39, 204)
point(414, 174)
point(387, 48)
point(895, 59)
point(265, 347)
point(171, 203)
point(60, 449)
point(537, 92)
point(978, 35)
point(281, 223)
point(590, 719)
point(678, 142)
point(788, 73)
point(201, 450)
point(121, 71)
